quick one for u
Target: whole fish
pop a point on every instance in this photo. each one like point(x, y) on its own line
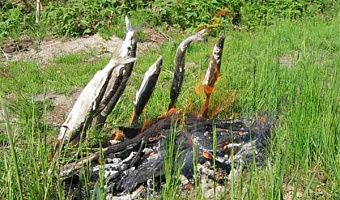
point(144, 93)
point(118, 85)
point(179, 69)
point(87, 103)
point(115, 80)
point(213, 72)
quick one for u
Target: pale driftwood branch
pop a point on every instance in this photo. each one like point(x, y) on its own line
point(115, 80)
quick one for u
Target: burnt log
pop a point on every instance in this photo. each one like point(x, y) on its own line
point(142, 158)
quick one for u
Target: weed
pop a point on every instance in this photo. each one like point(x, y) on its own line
point(303, 156)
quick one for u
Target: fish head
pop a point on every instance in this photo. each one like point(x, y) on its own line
point(64, 133)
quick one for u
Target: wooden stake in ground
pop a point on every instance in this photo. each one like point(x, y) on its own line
point(179, 70)
point(144, 93)
point(213, 72)
point(38, 10)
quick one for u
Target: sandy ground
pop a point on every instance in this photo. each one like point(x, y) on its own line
point(46, 50)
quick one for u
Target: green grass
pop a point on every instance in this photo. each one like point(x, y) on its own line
point(290, 69)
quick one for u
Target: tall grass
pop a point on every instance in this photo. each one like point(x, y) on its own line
point(290, 69)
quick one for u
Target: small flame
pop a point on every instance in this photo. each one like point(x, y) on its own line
point(225, 104)
point(225, 146)
point(240, 133)
point(172, 111)
point(207, 155)
point(262, 121)
point(119, 134)
point(216, 20)
point(208, 28)
point(132, 117)
point(223, 12)
point(146, 123)
point(199, 86)
point(208, 89)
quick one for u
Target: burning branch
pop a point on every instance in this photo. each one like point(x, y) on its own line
point(179, 70)
point(212, 74)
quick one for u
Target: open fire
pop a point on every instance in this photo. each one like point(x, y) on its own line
point(181, 142)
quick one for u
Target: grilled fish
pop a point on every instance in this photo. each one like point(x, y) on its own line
point(118, 84)
point(179, 70)
point(87, 103)
point(144, 93)
point(213, 72)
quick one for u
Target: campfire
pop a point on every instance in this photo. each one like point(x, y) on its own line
point(193, 144)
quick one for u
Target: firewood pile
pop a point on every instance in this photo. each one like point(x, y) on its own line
point(176, 142)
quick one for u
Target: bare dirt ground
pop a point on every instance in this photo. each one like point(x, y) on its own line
point(26, 49)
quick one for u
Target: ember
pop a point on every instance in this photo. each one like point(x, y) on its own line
point(136, 161)
point(185, 140)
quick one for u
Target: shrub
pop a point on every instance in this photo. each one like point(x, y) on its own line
point(76, 18)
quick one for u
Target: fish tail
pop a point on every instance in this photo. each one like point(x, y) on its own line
point(199, 35)
point(127, 24)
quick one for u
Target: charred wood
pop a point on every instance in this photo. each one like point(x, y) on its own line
point(142, 158)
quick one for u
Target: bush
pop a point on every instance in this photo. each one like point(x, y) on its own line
point(13, 22)
point(76, 18)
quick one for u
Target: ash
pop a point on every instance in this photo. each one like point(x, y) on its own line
point(135, 167)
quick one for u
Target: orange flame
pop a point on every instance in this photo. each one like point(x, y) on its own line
point(263, 120)
point(119, 134)
point(216, 20)
point(225, 146)
point(132, 117)
point(225, 104)
point(172, 111)
point(207, 155)
point(223, 12)
point(146, 123)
